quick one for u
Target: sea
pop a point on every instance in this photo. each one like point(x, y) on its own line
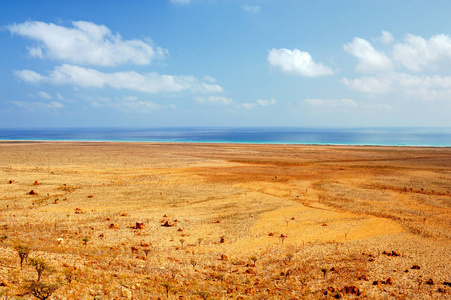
point(412, 136)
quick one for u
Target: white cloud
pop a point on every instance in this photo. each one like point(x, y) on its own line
point(370, 60)
point(423, 87)
point(32, 105)
point(131, 80)
point(252, 8)
point(342, 103)
point(266, 102)
point(248, 105)
point(297, 62)
point(52, 105)
point(417, 53)
point(209, 79)
point(259, 102)
point(386, 37)
point(28, 76)
point(44, 95)
point(86, 43)
point(369, 85)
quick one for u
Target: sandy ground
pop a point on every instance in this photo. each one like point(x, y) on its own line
point(296, 208)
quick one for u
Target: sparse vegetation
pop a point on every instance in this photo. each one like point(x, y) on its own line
point(370, 207)
point(23, 251)
point(41, 290)
point(40, 266)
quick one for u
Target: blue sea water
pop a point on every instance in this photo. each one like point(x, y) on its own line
point(440, 137)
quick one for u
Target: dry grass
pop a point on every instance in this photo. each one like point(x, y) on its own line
point(339, 209)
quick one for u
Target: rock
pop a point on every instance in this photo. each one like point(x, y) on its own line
point(415, 267)
point(124, 214)
point(145, 245)
point(447, 283)
point(78, 211)
point(11, 181)
point(36, 183)
point(324, 224)
point(352, 290)
point(4, 284)
point(166, 224)
point(250, 271)
point(90, 196)
point(180, 229)
point(113, 226)
point(33, 193)
point(430, 282)
point(60, 241)
point(363, 277)
point(134, 249)
point(271, 234)
point(139, 225)
point(375, 282)
point(224, 257)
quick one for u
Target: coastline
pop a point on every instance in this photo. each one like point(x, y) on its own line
point(399, 137)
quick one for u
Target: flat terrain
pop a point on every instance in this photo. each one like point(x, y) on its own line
point(243, 221)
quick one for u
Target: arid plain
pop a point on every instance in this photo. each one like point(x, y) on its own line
point(225, 221)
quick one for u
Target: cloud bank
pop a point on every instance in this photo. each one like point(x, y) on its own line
point(391, 73)
point(143, 82)
point(86, 43)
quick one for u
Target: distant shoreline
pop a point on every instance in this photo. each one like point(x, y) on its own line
point(212, 144)
point(397, 137)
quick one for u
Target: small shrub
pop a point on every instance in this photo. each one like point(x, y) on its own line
point(23, 251)
point(41, 290)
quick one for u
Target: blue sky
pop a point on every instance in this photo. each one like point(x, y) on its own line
point(170, 63)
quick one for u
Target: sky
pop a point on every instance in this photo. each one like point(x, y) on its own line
point(225, 63)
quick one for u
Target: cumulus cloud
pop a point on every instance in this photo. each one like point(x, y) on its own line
point(29, 76)
point(424, 87)
point(417, 53)
point(86, 43)
point(297, 62)
point(144, 82)
point(253, 9)
point(370, 60)
point(386, 37)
